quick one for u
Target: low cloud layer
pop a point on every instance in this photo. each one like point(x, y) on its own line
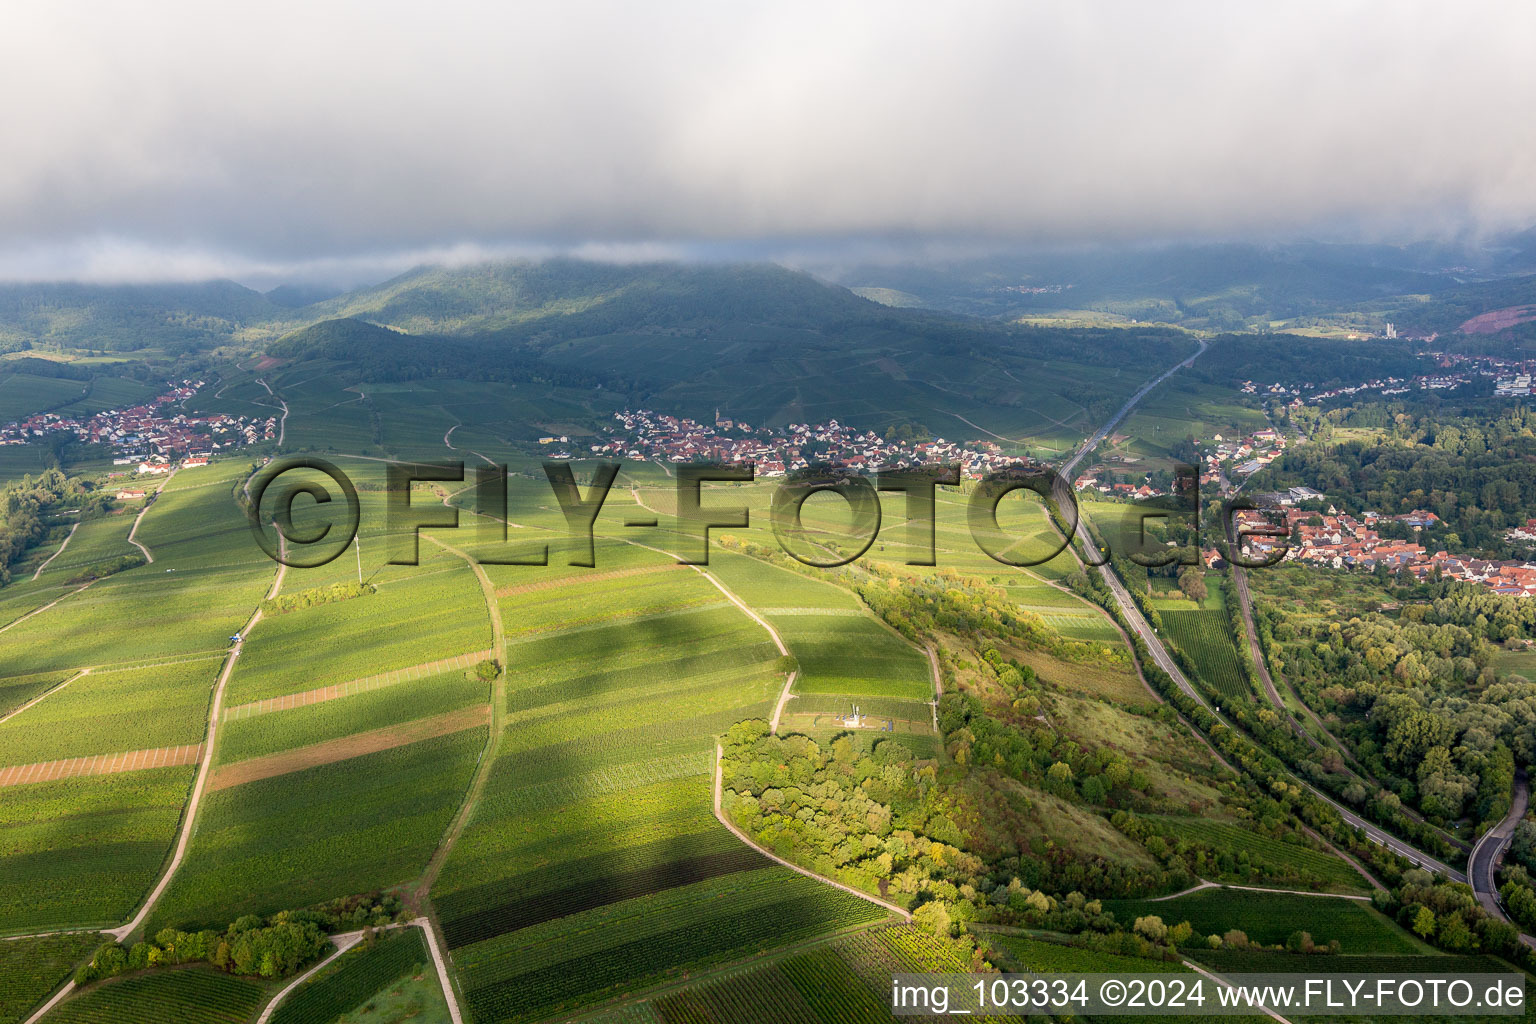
point(184, 139)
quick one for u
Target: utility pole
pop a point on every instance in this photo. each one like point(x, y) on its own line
point(358, 544)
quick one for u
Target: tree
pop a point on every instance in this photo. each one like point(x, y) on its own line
point(932, 917)
point(1151, 928)
point(1058, 779)
point(1424, 922)
point(1192, 583)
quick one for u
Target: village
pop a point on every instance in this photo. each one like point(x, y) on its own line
point(1221, 459)
point(643, 434)
point(1510, 378)
point(1341, 541)
point(147, 435)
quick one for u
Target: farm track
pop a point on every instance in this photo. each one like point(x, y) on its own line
point(344, 942)
point(345, 748)
point(421, 895)
point(778, 641)
point(100, 764)
point(149, 503)
point(1204, 884)
point(49, 561)
point(205, 769)
point(366, 684)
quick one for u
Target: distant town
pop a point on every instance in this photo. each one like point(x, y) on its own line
point(1511, 377)
point(643, 434)
point(149, 434)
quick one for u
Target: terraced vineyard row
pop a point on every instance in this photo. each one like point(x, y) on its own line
point(846, 981)
point(692, 935)
point(84, 850)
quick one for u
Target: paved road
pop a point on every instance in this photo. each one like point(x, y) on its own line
point(1165, 661)
point(1489, 850)
point(1093, 442)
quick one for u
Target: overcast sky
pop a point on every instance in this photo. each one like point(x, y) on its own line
point(171, 139)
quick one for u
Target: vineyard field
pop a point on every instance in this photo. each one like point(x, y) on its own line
point(1204, 637)
point(1270, 918)
point(298, 727)
point(307, 836)
point(188, 995)
point(107, 712)
point(351, 980)
point(32, 968)
point(83, 851)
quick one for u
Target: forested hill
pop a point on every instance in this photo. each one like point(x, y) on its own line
point(375, 353)
point(770, 344)
point(571, 298)
point(127, 318)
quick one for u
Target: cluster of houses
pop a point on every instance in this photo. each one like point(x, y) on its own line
point(643, 434)
point(1511, 377)
point(149, 434)
point(1341, 541)
point(1243, 456)
point(1305, 393)
point(1221, 456)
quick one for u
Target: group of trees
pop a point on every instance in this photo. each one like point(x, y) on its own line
point(314, 596)
point(1416, 698)
point(271, 947)
point(1448, 915)
point(249, 946)
point(25, 508)
point(876, 820)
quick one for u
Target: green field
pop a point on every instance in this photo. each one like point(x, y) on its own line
point(840, 649)
point(567, 962)
point(188, 995)
point(32, 968)
point(597, 809)
point(1270, 918)
point(846, 981)
point(296, 839)
point(22, 394)
point(111, 711)
point(83, 851)
point(357, 977)
point(423, 618)
point(1204, 637)
point(299, 727)
point(17, 690)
